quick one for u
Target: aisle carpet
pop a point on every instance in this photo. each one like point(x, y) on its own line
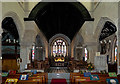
point(58, 81)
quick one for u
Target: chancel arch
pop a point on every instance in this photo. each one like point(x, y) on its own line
point(59, 47)
point(60, 38)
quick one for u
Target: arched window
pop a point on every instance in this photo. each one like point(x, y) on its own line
point(33, 53)
point(59, 48)
point(115, 54)
point(86, 52)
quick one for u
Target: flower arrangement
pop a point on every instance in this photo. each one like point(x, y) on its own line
point(90, 67)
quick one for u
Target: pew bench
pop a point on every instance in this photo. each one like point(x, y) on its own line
point(35, 79)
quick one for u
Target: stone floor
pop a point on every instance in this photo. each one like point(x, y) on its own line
point(58, 70)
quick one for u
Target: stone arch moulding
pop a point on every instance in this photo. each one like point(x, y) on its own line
point(100, 26)
point(17, 21)
point(60, 1)
point(59, 35)
point(26, 40)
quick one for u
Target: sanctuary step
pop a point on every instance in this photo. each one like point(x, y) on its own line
point(58, 81)
point(52, 76)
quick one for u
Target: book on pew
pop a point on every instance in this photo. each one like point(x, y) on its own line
point(82, 79)
point(12, 72)
point(36, 80)
point(112, 81)
point(30, 74)
point(34, 71)
point(11, 81)
point(23, 77)
point(94, 77)
point(112, 74)
point(4, 74)
point(87, 74)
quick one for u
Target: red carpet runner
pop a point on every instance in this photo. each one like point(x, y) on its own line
point(58, 81)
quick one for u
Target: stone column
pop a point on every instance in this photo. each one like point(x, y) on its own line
point(23, 53)
point(26, 43)
point(28, 54)
point(43, 54)
point(92, 49)
point(0, 39)
point(118, 37)
point(0, 53)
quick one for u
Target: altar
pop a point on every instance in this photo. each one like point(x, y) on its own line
point(59, 61)
point(59, 64)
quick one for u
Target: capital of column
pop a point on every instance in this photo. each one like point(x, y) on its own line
point(22, 44)
point(91, 44)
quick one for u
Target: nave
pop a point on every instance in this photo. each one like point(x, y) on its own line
point(66, 42)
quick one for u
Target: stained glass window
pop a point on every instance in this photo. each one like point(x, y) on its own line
point(33, 53)
point(115, 54)
point(59, 48)
point(85, 54)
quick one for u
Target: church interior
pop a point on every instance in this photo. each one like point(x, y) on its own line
point(60, 42)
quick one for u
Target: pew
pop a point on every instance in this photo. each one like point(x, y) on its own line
point(32, 81)
point(78, 78)
point(35, 79)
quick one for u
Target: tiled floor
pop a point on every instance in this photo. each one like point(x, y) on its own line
point(58, 70)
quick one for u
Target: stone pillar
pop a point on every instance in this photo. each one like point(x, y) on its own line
point(0, 54)
point(44, 54)
point(72, 48)
point(92, 49)
point(0, 39)
point(27, 42)
point(28, 54)
point(23, 56)
point(118, 38)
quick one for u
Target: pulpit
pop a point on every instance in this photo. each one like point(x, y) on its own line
point(100, 63)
